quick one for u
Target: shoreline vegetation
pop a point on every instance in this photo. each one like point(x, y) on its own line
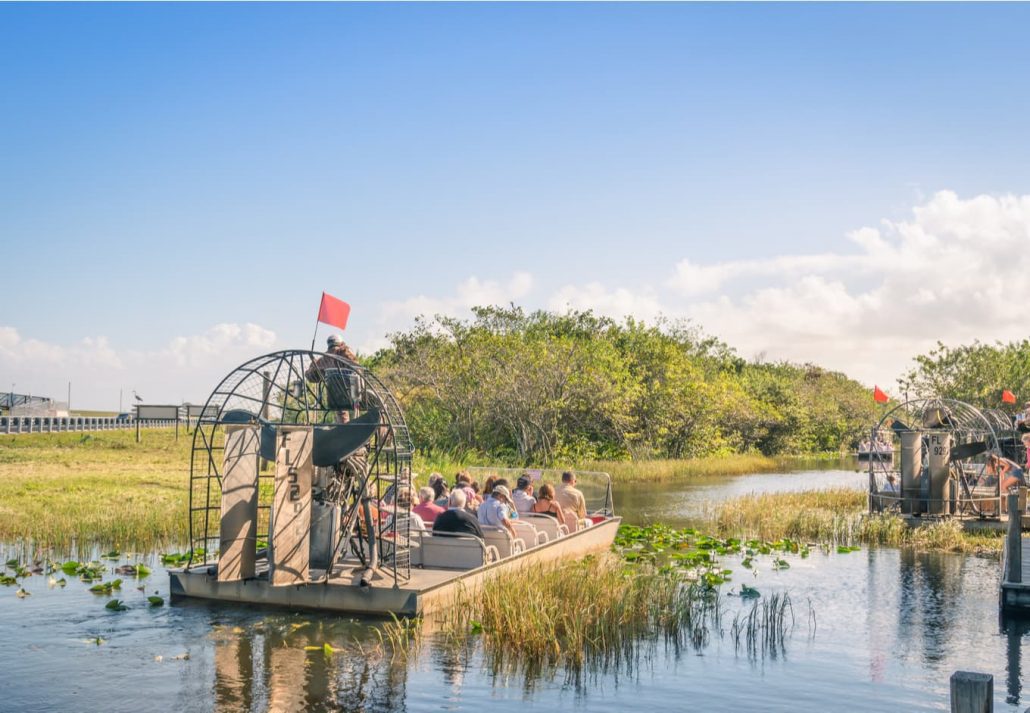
point(839, 517)
point(103, 488)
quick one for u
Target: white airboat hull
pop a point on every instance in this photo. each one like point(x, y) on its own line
point(427, 589)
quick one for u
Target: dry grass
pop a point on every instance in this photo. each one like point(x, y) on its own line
point(595, 611)
point(839, 517)
point(95, 487)
point(686, 469)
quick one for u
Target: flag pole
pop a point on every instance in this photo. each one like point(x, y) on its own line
point(315, 333)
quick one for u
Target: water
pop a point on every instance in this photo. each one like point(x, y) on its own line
point(876, 630)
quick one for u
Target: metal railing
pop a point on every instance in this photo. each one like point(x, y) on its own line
point(62, 424)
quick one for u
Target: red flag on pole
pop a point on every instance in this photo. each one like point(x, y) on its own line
point(1008, 397)
point(333, 311)
point(879, 396)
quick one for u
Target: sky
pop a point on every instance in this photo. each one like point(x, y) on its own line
point(842, 185)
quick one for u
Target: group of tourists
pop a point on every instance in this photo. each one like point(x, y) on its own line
point(467, 507)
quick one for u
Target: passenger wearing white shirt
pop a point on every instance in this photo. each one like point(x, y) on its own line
point(523, 495)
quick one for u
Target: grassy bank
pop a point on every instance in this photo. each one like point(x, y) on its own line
point(636, 471)
point(839, 516)
point(665, 470)
point(101, 487)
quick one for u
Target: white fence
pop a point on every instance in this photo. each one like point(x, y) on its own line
point(58, 424)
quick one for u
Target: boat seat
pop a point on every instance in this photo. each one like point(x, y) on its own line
point(529, 533)
point(501, 539)
point(546, 524)
point(574, 522)
point(451, 550)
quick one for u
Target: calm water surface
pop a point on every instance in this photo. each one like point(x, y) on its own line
point(876, 630)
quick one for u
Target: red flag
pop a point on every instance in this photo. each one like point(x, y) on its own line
point(1008, 397)
point(879, 396)
point(333, 311)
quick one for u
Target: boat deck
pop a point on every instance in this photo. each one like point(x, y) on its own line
point(426, 589)
point(1015, 593)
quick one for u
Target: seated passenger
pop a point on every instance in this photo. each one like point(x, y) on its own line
point(1009, 474)
point(440, 493)
point(426, 508)
point(456, 518)
point(464, 481)
point(546, 504)
point(414, 522)
point(488, 486)
point(523, 495)
point(569, 497)
point(512, 512)
point(496, 510)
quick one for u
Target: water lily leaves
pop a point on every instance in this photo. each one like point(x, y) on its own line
point(70, 567)
point(326, 649)
point(112, 555)
point(747, 592)
point(7, 580)
point(13, 563)
point(155, 601)
point(116, 605)
point(134, 570)
point(780, 563)
point(845, 549)
point(106, 587)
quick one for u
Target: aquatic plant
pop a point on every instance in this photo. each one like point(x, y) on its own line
point(591, 611)
point(694, 555)
point(764, 629)
point(839, 517)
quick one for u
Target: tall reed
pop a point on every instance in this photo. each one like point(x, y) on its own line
point(839, 517)
point(595, 611)
point(763, 630)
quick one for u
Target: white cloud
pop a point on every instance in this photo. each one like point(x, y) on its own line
point(619, 302)
point(955, 271)
point(186, 367)
point(471, 292)
point(217, 342)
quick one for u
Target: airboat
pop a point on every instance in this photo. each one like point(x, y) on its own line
point(940, 469)
point(296, 463)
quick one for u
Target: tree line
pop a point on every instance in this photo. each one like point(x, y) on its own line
point(975, 373)
point(543, 387)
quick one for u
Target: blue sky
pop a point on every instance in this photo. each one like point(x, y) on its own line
point(166, 169)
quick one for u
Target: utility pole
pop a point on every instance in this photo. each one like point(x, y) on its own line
point(120, 400)
point(69, 397)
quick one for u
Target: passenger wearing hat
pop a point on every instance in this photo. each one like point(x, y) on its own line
point(494, 511)
point(523, 495)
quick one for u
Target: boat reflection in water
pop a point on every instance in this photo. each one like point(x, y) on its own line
point(281, 664)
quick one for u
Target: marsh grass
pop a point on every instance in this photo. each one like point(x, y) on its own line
point(594, 612)
point(686, 469)
point(839, 517)
point(764, 629)
point(94, 487)
point(624, 471)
